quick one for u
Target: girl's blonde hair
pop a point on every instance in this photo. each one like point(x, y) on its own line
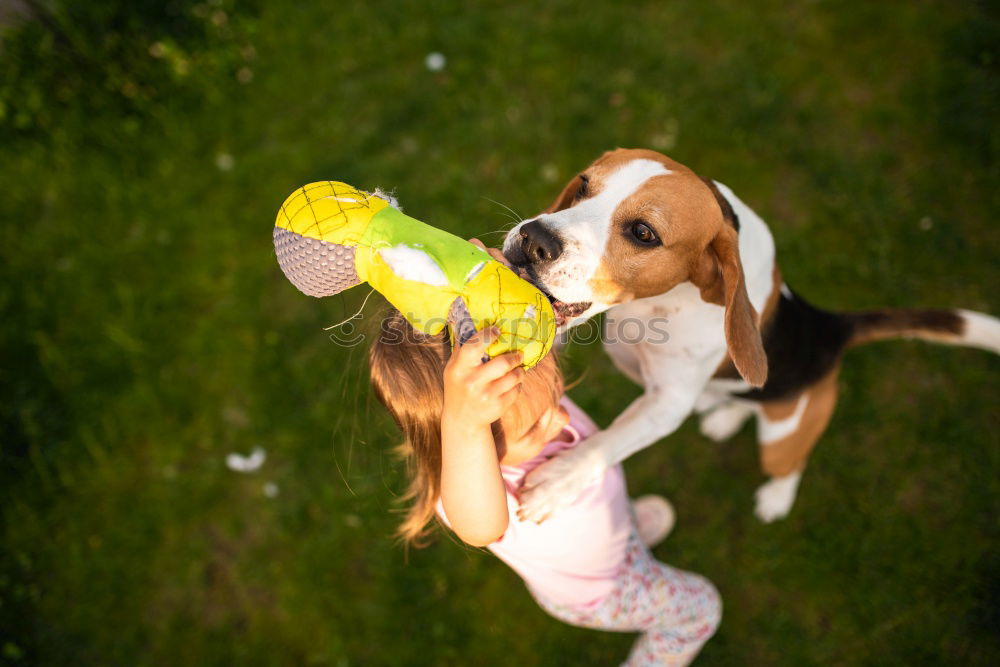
point(407, 375)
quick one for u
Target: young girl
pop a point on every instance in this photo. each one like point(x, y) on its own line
point(473, 430)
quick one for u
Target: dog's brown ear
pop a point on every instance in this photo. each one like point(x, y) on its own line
point(566, 197)
point(742, 335)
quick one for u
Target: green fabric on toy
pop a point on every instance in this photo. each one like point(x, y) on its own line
point(330, 236)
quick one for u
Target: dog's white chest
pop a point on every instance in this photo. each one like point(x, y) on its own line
point(678, 323)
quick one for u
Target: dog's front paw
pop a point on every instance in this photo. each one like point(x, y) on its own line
point(775, 499)
point(557, 483)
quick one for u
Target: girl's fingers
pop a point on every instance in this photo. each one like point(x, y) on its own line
point(505, 383)
point(508, 397)
point(499, 366)
point(470, 354)
point(497, 254)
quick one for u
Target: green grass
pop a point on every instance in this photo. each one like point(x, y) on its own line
point(147, 332)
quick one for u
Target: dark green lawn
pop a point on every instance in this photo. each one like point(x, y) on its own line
point(147, 331)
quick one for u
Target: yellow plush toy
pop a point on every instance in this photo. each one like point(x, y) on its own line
point(330, 236)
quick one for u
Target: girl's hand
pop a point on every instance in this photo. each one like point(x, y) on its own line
point(495, 253)
point(476, 394)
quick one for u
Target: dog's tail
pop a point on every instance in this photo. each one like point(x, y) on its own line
point(949, 326)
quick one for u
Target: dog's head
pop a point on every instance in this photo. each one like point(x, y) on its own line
point(636, 224)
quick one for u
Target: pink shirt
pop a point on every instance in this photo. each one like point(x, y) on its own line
point(573, 557)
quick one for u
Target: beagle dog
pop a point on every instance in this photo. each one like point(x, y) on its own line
point(647, 238)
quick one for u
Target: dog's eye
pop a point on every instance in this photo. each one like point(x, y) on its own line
point(581, 192)
point(643, 233)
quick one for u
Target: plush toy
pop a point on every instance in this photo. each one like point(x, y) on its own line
point(330, 236)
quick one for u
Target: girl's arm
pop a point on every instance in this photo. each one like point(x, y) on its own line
point(475, 395)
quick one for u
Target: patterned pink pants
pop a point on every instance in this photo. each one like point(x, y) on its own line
point(676, 611)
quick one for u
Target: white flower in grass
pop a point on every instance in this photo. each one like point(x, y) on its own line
point(224, 161)
point(435, 61)
point(239, 463)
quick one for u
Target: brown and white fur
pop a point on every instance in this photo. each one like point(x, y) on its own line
point(741, 343)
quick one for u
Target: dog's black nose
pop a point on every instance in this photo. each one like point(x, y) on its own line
point(538, 243)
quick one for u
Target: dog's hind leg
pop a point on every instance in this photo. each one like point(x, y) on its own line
point(787, 430)
point(724, 420)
